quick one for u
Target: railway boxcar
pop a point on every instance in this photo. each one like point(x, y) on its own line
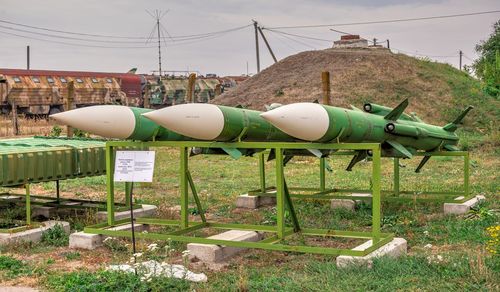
point(44, 92)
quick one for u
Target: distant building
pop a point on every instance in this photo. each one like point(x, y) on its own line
point(351, 41)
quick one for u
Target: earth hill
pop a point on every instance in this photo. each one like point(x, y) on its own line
point(437, 91)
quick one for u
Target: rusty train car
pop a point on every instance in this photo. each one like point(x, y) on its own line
point(42, 92)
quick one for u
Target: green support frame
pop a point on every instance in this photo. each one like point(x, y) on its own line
point(391, 195)
point(277, 233)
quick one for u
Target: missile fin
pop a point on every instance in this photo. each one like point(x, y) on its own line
point(397, 111)
point(328, 167)
point(272, 155)
point(451, 148)
point(316, 152)
point(286, 159)
point(355, 108)
point(452, 127)
point(233, 152)
point(360, 155)
point(400, 148)
point(422, 163)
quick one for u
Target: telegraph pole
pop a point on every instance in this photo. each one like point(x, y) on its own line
point(27, 57)
point(460, 62)
point(257, 45)
point(388, 44)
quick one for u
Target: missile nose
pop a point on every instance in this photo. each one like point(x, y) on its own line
point(305, 121)
point(196, 120)
point(109, 121)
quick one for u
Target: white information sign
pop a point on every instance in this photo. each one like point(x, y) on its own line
point(134, 166)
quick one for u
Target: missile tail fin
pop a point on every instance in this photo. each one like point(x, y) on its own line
point(233, 152)
point(397, 111)
point(360, 155)
point(422, 163)
point(452, 127)
point(400, 148)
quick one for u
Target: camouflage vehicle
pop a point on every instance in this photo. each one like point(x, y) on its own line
point(43, 92)
point(172, 91)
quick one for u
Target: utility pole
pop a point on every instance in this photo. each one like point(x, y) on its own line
point(374, 41)
point(257, 45)
point(267, 44)
point(27, 57)
point(460, 62)
point(388, 44)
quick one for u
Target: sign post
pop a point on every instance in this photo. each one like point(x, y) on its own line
point(134, 166)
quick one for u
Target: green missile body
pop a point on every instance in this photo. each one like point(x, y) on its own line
point(116, 121)
point(399, 137)
point(217, 123)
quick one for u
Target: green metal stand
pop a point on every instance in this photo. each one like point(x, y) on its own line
point(276, 234)
point(394, 194)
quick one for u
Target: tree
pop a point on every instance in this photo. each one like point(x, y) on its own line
point(487, 67)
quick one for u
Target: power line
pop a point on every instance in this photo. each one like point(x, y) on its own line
point(388, 21)
point(300, 36)
point(73, 44)
point(120, 37)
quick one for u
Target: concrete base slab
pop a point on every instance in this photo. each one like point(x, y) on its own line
point(92, 241)
point(342, 204)
point(216, 254)
point(144, 211)
point(253, 202)
point(462, 208)
point(396, 248)
point(33, 235)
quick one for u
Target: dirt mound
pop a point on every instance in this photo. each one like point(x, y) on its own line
point(437, 91)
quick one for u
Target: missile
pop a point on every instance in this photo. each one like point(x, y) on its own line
point(399, 137)
point(116, 121)
point(217, 123)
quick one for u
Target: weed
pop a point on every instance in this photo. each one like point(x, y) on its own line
point(115, 244)
point(12, 268)
point(71, 256)
point(56, 131)
point(111, 281)
point(55, 236)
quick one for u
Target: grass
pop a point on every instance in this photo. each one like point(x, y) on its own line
point(460, 241)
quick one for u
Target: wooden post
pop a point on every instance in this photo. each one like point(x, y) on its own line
point(69, 104)
point(460, 64)
point(257, 45)
point(191, 88)
point(325, 80)
point(15, 123)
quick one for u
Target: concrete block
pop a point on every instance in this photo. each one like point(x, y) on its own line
point(462, 208)
point(144, 211)
point(253, 202)
point(44, 211)
point(33, 235)
point(212, 253)
point(396, 248)
point(342, 203)
point(92, 241)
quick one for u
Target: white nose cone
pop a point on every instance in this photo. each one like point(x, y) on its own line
point(305, 121)
point(196, 120)
point(109, 121)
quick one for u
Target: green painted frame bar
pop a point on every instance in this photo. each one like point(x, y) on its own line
point(280, 231)
point(394, 195)
point(270, 243)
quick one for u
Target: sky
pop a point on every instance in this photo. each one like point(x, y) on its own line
point(230, 53)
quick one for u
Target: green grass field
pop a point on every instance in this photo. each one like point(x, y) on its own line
point(445, 252)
